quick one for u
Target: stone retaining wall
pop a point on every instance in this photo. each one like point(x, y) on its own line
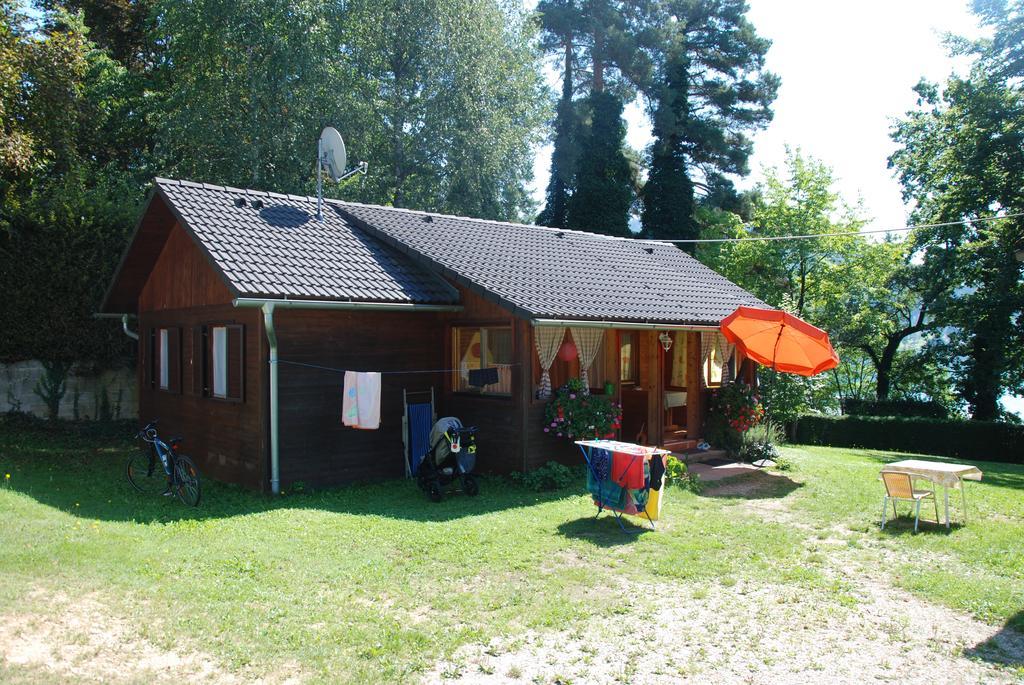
point(109, 394)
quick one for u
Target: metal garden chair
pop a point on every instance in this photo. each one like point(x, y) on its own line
point(899, 485)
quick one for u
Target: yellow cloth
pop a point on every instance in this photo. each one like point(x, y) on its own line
point(654, 500)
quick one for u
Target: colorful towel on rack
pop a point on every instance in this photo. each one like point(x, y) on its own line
point(606, 493)
point(628, 470)
point(601, 463)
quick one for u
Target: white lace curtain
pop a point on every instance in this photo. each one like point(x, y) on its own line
point(548, 339)
point(588, 342)
point(707, 341)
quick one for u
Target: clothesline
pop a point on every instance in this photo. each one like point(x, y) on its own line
point(387, 373)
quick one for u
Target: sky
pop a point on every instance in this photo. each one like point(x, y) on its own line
point(847, 73)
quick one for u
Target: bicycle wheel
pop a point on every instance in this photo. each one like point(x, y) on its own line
point(146, 473)
point(187, 485)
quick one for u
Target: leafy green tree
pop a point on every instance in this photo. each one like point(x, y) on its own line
point(449, 103)
point(961, 158)
point(443, 98)
point(712, 92)
point(68, 208)
point(121, 27)
point(245, 87)
point(876, 299)
point(669, 204)
point(1004, 52)
point(16, 141)
point(802, 200)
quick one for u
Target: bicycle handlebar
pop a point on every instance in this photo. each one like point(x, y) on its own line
point(148, 432)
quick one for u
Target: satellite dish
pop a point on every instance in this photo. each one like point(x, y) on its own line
point(332, 153)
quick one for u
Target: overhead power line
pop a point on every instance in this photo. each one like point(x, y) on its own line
point(832, 235)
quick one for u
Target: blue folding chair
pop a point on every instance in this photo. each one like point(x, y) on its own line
point(418, 419)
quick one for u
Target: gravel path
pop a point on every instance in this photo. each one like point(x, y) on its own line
point(750, 634)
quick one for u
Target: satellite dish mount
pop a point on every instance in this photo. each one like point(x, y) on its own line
point(330, 156)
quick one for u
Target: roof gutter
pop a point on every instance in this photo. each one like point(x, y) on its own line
point(628, 325)
point(285, 303)
point(267, 306)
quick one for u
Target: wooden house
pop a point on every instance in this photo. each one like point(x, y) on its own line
point(249, 307)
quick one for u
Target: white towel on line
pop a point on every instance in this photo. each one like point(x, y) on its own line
point(360, 405)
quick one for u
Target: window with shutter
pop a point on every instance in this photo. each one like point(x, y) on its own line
point(164, 359)
point(223, 372)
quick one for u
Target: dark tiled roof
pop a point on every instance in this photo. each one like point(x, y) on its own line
point(268, 244)
point(549, 273)
point(271, 245)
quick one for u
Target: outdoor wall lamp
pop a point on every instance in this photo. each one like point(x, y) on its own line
point(666, 341)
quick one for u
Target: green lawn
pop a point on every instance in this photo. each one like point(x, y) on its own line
point(373, 583)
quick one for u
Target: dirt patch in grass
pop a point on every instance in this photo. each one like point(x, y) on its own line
point(80, 640)
point(746, 633)
point(754, 484)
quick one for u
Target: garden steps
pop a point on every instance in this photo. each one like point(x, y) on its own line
point(693, 456)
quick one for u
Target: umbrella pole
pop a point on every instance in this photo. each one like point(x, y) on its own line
point(775, 377)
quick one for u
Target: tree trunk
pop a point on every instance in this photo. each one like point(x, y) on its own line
point(883, 370)
point(598, 62)
point(983, 384)
point(991, 331)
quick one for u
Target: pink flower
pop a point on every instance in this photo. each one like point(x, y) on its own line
point(572, 396)
point(546, 429)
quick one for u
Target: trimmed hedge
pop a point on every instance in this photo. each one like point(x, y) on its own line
point(988, 441)
point(923, 408)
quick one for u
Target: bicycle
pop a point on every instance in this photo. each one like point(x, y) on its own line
point(162, 468)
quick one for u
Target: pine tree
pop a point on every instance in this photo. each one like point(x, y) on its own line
point(668, 195)
point(713, 91)
point(561, 20)
point(604, 187)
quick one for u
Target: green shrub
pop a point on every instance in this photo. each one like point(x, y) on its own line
point(990, 441)
point(772, 432)
point(676, 474)
point(551, 476)
point(758, 450)
point(782, 464)
point(674, 468)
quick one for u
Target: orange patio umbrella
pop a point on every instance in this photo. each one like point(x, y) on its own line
point(779, 340)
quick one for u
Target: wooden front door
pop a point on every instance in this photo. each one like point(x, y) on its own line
point(634, 394)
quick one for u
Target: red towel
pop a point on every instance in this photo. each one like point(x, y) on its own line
point(628, 470)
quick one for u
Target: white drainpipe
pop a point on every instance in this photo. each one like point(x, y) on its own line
point(275, 466)
point(124, 325)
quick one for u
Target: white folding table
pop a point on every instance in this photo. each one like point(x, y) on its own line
point(946, 474)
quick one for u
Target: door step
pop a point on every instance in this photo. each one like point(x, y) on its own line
point(706, 455)
point(678, 446)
